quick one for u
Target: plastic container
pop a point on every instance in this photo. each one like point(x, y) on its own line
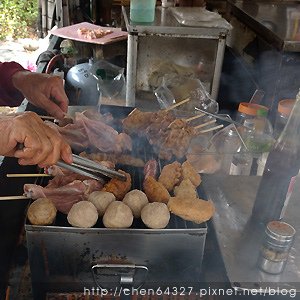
point(279, 237)
point(142, 11)
point(248, 111)
point(283, 112)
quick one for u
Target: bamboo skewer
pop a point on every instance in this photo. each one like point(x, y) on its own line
point(177, 104)
point(205, 124)
point(194, 117)
point(212, 128)
point(4, 198)
point(16, 175)
point(47, 118)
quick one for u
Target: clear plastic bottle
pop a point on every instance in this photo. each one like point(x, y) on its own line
point(283, 112)
point(282, 166)
point(258, 137)
point(248, 111)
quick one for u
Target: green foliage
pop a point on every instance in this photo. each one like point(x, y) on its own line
point(16, 17)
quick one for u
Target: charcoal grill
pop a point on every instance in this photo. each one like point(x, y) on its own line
point(64, 258)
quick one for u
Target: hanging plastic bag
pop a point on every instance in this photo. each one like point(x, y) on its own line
point(176, 89)
point(110, 79)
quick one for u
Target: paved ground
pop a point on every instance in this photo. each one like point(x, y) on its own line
point(16, 50)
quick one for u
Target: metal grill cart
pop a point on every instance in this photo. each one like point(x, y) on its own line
point(166, 39)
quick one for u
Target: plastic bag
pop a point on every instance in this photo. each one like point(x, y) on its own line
point(175, 89)
point(110, 79)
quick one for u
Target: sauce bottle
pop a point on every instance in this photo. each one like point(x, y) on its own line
point(282, 166)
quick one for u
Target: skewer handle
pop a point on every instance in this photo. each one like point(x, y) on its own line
point(177, 104)
point(14, 198)
point(26, 175)
point(194, 117)
point(212, 128)
point(205, 124)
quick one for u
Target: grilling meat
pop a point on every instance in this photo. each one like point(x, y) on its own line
point(63, 197)
point(170, 175)
point(155, 191)
point(168, 135)
point(92, 133)
point(114, 158)
point(185, 189)
point(188, 172)
point(118, 187)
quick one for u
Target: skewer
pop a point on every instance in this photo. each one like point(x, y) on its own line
point(211, 129)
point(14, 198)
point(16, 175)
point(47, 117)
point(194, 117)
point(177, 104)
point(7, 294)
point(205, 124)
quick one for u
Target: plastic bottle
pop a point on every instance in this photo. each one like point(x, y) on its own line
point(284, 109)
point(248, 111)
point(282, 166)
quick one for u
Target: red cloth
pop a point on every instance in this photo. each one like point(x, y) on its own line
point(9, 96)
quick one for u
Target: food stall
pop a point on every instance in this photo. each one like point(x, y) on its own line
point(191, 259)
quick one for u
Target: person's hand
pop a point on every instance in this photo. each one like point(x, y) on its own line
point(43, 90)
point(42, 145)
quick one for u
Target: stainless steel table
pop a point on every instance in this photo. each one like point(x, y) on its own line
point(166, 39)
point(239, 238)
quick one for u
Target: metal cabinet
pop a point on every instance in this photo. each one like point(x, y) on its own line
point(167, 40)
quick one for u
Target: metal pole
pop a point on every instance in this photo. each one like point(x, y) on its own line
point(131, 69)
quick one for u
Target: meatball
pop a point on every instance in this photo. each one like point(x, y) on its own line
point(155, 215)
point(136, 200)
point(83, 214)
point(118, 215)
point(41, 212)
point(101, 200)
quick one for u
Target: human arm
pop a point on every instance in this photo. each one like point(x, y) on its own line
point(42, 144)
point(42, 90)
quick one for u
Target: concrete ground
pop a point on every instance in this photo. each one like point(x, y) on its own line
point(23, 51)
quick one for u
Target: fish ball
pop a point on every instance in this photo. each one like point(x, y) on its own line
point(118, 215)
point(136, 200)
point(83, 214)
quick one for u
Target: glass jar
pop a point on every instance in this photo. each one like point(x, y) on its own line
point(248, 111)
point(284, 109)
point(278, 240)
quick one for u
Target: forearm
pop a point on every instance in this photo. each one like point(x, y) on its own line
point(9, 95)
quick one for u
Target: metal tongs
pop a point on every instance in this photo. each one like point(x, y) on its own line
point(87, 167)
point(90, 168)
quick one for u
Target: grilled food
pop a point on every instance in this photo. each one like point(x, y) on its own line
point(155, 191)
point(118, 215)
point(188, 172)
point(185, 189)
point(118, 187)
point(83, 214)
point(101, 200)
point(170, 175)
point(41, 212)
point(136, 200)
point(195, 210)
point(155, 215)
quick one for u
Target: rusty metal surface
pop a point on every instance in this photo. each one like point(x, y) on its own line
point(275, 21)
